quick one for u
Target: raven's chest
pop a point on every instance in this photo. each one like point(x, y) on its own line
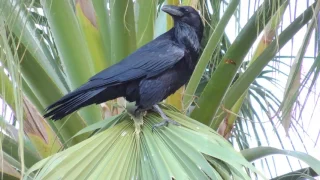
point(177, 76)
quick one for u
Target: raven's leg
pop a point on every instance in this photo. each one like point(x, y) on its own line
point(165, 121)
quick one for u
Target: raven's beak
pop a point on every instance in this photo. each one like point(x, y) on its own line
point(172, 10)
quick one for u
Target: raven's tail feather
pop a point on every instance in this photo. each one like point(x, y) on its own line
point(70, 103)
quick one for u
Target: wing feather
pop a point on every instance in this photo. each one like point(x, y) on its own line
point(148, 61)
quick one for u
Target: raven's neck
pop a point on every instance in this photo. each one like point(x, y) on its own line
point(187, 36)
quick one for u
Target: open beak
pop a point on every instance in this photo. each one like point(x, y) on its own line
point(172, 10)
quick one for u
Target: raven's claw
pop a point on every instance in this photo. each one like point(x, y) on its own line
point(165, 122)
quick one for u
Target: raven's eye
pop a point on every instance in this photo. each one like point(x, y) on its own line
point(186, 11)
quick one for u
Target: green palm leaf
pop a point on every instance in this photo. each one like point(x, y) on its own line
point(174, 152)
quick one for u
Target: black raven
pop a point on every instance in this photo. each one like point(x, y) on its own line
point(148, 75)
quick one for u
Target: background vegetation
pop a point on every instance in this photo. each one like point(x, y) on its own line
point(255, 73)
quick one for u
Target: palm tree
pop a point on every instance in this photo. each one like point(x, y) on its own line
point(50, 47)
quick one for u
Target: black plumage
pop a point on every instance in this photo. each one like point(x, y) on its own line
point(148, 75)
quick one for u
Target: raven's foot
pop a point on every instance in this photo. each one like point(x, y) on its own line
point(165, 121)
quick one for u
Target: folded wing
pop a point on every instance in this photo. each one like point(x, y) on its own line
point(148, 61)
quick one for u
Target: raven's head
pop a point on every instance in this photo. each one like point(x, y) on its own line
point(184, 14)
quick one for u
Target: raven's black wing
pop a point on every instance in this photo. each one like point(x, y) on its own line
point(148, 61)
